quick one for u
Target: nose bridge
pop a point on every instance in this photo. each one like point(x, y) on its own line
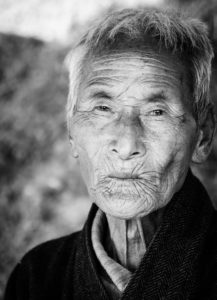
point(127, 142)
point(129, 124)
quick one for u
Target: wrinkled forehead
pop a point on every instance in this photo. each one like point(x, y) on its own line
point(117, 66)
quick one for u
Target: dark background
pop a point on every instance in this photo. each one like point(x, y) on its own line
point(42, 195)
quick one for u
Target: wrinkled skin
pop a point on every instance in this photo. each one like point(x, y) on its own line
point(133, 132)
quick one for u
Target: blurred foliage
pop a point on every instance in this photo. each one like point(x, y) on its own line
point(42, 195)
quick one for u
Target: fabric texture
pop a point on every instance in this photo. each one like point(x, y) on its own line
point(125, 240)
point(119, 275)
point(180, 262)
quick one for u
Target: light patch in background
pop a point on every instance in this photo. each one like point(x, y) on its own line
point(52, 20)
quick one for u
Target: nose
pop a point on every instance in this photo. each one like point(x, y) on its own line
point(127, 142)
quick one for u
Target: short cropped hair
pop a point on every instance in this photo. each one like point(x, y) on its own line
point(171, 30)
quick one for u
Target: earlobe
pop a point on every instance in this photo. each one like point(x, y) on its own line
point(201, 151)
point(205, 138)
point(73, 147)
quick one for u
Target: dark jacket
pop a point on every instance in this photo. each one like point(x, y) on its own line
point(180, 262)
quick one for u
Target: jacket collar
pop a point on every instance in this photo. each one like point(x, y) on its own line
point(170, 264)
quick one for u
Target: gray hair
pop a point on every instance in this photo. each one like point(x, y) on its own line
point(180, 34)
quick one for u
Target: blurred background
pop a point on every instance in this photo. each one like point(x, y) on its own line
point(42, 195)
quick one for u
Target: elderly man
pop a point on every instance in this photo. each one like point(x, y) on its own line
point(138, 114)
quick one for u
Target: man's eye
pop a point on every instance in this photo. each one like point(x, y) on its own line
point(157, 112)
point(102, 108)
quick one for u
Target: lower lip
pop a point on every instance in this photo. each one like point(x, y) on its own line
point(123, 186)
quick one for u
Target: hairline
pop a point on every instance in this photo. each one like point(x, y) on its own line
point(200, 60)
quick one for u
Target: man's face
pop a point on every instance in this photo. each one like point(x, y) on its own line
point(134, 132)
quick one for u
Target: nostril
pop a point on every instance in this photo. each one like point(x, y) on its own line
point(135, 153)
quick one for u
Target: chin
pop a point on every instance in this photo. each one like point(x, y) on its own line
point(125, 206)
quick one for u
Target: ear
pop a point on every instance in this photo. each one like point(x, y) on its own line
point(73, 146)
point(206, 130)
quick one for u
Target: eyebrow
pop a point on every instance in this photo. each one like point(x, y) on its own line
point(160, 96)
point(157, 97)
point(100, 94)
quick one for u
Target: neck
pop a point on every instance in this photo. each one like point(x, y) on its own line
point(128, 240)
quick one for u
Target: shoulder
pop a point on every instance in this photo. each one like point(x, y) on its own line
point(40, 265)
point(52, 251)
point(58, 244)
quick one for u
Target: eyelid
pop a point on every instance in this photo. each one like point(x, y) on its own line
point(102, 105)
point(102, 108)
point(157, 110)
point(152, 107)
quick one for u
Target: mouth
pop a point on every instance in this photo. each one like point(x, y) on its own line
point(124, 176)
point(125, 184)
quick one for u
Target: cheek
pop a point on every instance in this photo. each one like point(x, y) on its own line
point(90, 134)
point(161, 140)
point(171, 147)
point(85, 158)
point(88, 147)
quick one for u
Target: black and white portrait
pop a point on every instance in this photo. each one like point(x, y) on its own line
point(108, 150)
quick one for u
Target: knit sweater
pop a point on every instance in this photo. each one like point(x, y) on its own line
point(180, 262)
